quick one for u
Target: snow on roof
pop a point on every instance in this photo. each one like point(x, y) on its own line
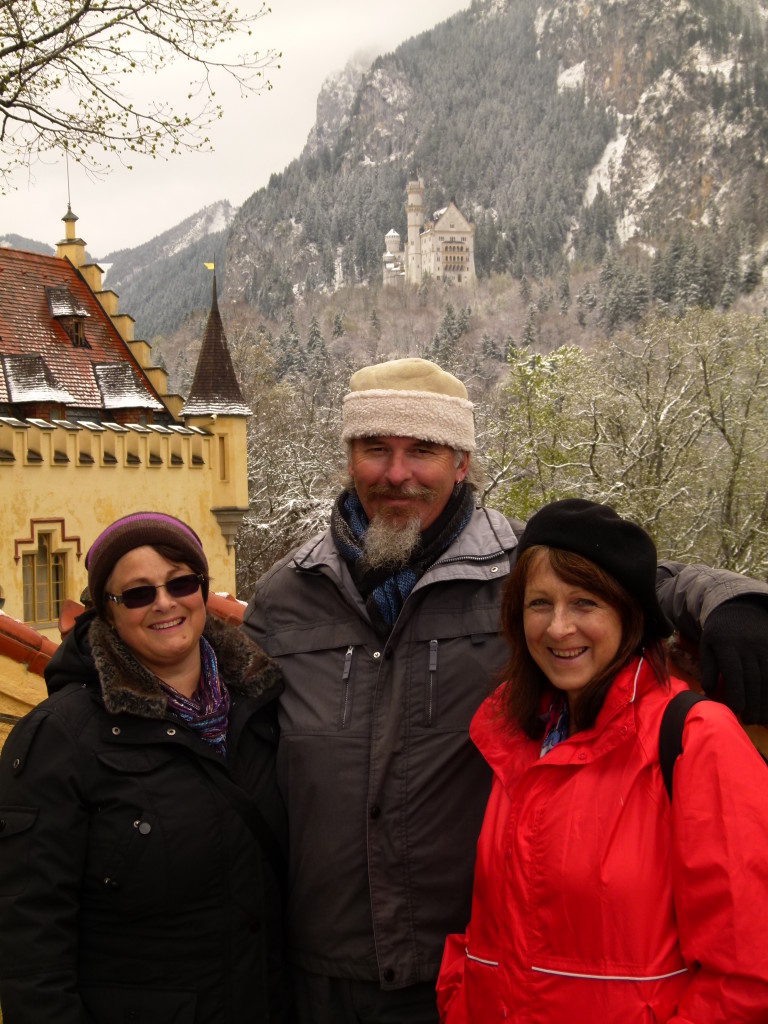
point(121, 389)
point(62, 302)
point(213, 407)
point(30, 380)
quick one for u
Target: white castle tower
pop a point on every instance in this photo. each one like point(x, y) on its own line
point(414, 209)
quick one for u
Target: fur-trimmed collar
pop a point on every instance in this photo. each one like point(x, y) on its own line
point(127, 686)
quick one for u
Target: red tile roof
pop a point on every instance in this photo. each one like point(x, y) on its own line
point(22, 643)
point(40, 362)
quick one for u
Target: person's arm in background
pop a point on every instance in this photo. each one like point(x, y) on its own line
point(725, 616)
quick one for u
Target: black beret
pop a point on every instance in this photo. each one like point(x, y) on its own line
point(599, 534)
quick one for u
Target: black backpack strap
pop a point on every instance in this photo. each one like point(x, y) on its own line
point(671, 732)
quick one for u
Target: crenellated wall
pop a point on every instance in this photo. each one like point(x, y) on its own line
point(69, 480)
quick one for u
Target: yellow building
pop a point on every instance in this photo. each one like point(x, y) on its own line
point(24, 653)
point(89, 433)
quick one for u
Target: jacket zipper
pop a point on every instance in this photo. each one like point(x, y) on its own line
point(430, 698)
point(345, 680)
point(469, 558)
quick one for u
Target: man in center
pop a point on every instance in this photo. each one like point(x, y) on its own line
point(385, 627)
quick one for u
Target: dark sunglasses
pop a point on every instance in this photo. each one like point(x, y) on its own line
point(140, 597)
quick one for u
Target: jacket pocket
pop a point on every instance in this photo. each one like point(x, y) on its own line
point(136, 761)
point(482, 986)
point(126, 867)
point(138, 1006)
point(15, 839)
point(124, 858)
point(331, 677)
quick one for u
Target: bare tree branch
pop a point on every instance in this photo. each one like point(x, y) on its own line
point(64, 65)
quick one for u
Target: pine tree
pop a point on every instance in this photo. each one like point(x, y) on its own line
point(462, 322)
point(529, 331)
point(315, 336)
point(564, 292)
point(375, 324)
point(751, 278)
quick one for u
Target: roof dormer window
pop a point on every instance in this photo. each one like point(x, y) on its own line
point(65, 308)
point(75, 329)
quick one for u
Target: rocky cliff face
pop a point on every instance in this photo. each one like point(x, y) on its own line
point(334, 105)
point(681, 152)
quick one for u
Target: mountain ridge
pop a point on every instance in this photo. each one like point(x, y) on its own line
point(568, 132)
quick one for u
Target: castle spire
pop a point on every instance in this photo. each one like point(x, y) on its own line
point(215, 390)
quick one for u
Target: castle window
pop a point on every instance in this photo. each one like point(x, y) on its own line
point(43, 576)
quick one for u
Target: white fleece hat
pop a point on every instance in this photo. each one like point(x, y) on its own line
point(409, 398)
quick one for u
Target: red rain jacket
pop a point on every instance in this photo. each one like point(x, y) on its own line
point(594, 899)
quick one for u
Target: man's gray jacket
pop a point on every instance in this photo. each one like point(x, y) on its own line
point(384, 789)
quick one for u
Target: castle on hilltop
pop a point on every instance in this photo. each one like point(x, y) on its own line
point(441, 248)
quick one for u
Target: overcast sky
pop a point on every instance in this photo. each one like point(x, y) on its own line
point(257, 135)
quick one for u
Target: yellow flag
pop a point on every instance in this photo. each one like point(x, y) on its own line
point(209, 266)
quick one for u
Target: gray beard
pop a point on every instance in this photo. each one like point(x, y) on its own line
point(389, 542)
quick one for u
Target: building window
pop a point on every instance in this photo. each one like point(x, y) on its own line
point(75, 330)
point(43, 575)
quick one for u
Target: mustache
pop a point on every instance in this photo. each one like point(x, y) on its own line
point(416, 492)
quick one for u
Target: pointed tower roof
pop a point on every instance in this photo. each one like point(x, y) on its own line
point(215, 389)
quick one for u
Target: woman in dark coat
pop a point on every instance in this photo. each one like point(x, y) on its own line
point(142, 836)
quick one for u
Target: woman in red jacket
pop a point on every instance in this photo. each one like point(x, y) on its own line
point(595, 897)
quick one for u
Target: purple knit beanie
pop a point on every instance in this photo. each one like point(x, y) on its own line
point(134, 531)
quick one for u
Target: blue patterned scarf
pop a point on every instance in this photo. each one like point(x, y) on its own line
point(207, 710)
